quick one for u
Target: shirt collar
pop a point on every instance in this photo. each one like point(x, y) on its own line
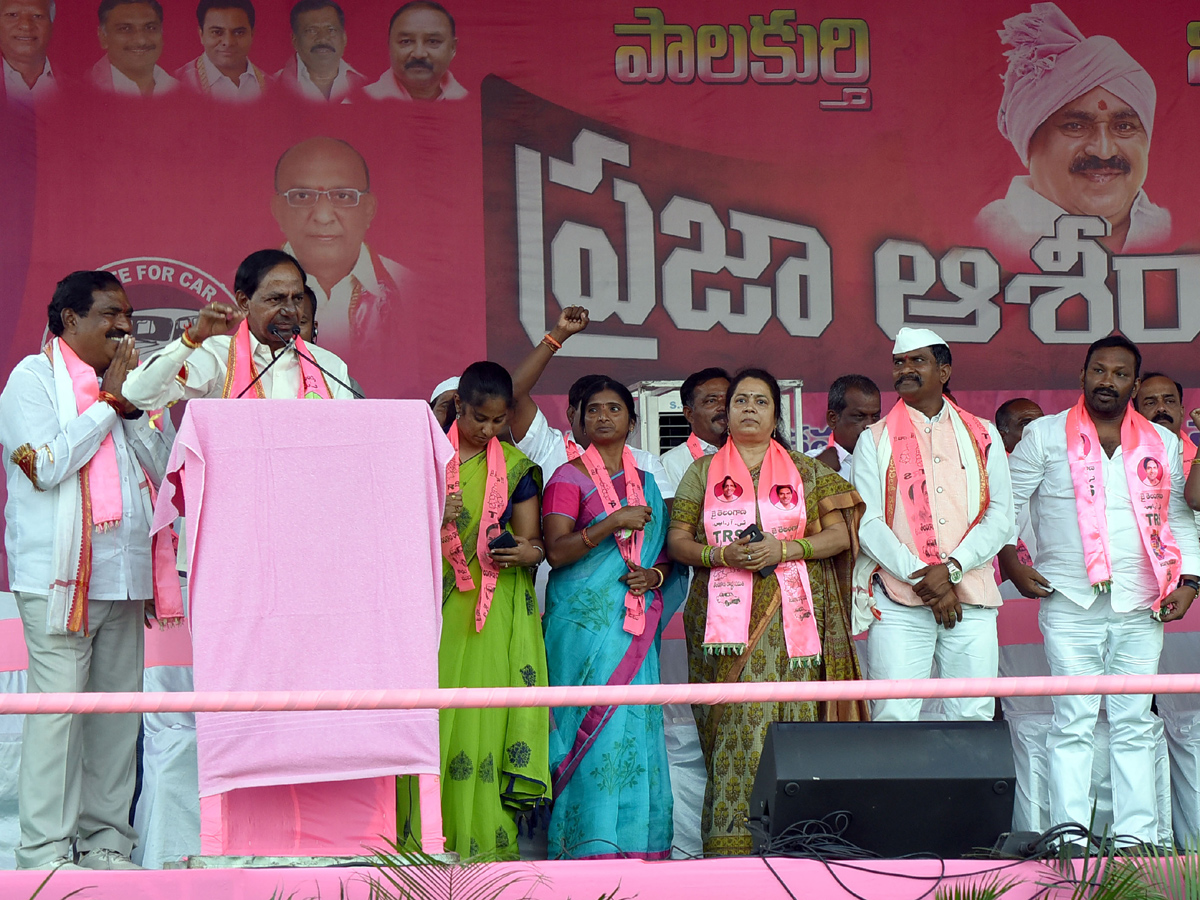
point(215, 74)
point(47, 72)
point(303, 75)
point(917, 416)
point(1027, 205)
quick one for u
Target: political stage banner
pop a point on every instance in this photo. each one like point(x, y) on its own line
point(720, 183)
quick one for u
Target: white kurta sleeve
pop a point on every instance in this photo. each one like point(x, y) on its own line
point(874, 533)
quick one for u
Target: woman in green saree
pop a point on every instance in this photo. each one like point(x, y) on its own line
point(494, 761)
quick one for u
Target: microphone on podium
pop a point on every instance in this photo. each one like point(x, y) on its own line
point(290, 341)
point(295, 334)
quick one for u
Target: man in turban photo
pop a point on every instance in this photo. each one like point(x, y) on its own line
point(1080, 113)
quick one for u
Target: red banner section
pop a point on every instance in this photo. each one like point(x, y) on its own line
point(718, 183)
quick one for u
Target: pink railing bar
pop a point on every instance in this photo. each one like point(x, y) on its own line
point(605, 695)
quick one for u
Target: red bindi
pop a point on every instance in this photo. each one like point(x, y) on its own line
point(1102, 105)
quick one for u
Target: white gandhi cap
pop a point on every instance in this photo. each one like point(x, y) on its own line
point(450, 384)
point(909, 339)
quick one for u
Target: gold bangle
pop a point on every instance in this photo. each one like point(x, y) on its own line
point(783, 552)
point(1196, 461)
point(188, 340)
point(661, 578)
point(724, 565)
point(586, 542)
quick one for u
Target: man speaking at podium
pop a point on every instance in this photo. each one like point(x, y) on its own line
point(252, 350)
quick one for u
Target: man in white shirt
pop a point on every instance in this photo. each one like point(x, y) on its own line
point(25, 29)
point(935, 482)
point(703, 397)
point(269, 290)
point(76, 449)
point(318, 71)
point(851, 407)
point(1102, 623)
point(131, 37)
point(224, 70)
point(324, 206)
point(422, 40)
point(1012, 417)
point(533, 434)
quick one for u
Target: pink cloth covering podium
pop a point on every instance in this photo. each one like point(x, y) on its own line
point(314, 561)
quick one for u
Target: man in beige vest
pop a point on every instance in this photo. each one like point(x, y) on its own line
point(931, 469)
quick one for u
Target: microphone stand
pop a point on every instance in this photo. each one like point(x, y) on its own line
point(305, 356)
point(291, 341)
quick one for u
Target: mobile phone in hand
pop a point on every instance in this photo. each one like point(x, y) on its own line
point(503, 541)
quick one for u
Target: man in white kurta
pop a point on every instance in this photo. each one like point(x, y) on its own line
point(270, 295)
point(851, 406)
point(703, 397)
point(1088, 631)
point(943, 611)
point(77, 774)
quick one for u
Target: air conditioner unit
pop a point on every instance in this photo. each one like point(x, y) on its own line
point(661, 424)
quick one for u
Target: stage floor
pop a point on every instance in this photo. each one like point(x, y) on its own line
point(720, 879)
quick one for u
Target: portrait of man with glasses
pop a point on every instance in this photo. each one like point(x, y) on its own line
point(324, 206)
point(318, 70)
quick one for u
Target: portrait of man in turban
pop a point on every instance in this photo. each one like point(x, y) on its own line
point(1080, 114)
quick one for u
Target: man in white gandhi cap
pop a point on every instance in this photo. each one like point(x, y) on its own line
point(939, 508)
point(1079, 112)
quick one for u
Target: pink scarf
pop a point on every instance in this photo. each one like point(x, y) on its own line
point(495, 499)
point(103, 482)
point(629, 541)
point(240, 370)
point(572, 448)
point(100, 490)
point(730, 591)
point(1139, 442)
point(693, 445)
point(907, 467)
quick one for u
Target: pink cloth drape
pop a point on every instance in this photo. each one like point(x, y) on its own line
point(315, 564)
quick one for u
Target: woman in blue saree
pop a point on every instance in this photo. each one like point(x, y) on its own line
point(605, 525)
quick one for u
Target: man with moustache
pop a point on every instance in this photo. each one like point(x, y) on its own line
point(224, 70)
point(25, 29)
point(1116, 559)
point(324, 206)
point(222, 353)
point(935, 482)
point(1160, 399)
point(703, 397)
point(131, 37)
point(851, 406)
point(1080, 113)
point(80, 463)
point(422, 40)
point(318, 71)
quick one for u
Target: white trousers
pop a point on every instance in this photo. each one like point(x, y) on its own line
point(906, 640)
point(77, 774)
point(1100, 641)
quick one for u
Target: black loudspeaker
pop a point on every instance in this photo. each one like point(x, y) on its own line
point(944, 788)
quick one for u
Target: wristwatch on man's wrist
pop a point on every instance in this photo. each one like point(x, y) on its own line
point(1188, 581)
point(956, 572)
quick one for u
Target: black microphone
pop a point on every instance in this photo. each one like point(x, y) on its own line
point(275, 332)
